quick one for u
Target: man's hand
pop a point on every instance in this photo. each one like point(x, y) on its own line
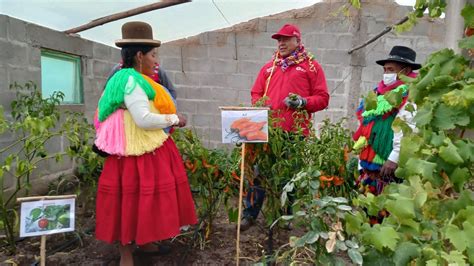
point(182, 120)
point(295, 101)
point(388, 168)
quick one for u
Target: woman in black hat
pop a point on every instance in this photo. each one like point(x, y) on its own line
point(379, 145)
point(143, 192)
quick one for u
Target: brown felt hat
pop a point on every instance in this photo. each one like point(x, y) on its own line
point(137, 33)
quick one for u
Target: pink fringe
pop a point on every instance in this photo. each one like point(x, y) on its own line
point(109, 131)
point(96, 119)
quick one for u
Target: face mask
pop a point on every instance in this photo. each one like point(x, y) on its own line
point(389, 79)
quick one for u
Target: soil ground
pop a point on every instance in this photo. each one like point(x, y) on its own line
point(86, 250)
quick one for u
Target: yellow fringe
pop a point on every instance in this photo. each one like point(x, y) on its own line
point(143, 140)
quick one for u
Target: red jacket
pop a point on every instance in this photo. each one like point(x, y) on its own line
point(299, 79)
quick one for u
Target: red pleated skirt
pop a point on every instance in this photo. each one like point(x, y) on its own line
point(144, 198)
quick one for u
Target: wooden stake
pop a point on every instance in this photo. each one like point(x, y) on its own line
point(241, 192)
point(46, 198)
point(125, 14)
point(43, 251)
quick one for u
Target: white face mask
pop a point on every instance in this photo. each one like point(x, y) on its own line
point(389, 79)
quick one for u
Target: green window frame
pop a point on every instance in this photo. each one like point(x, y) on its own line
point(61, 72)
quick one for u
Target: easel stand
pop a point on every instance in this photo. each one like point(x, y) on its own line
point(241, 192)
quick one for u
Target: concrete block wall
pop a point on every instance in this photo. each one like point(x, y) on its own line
point(218, 68)
point(20, 61)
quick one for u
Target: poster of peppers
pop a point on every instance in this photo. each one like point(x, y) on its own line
point(47, 217)
point(244, 125)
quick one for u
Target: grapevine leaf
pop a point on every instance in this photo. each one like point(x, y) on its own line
point(446, 117)
point(467, 43)
point(417, 166)
point(437, 139)
point(405, 252)
point(465, 149)
point(353, 223)
point(394, 97)
point(375, 258)
point(400, 125)
point(401, 208)
point(409, 146)
point(381, 236)
point(370, 101)
point(450, 154)
point(451, 68)
point(459, 177)
point(468, 93)
point(454, 258)
point(455, 98)
point(424, 115)
point(468, 15)
point(441, 56)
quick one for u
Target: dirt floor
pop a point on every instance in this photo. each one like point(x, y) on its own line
point(86, 250)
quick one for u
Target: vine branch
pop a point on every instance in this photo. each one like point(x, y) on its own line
point(380, 34)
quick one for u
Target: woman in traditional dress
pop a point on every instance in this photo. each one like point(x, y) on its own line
point(143, 193)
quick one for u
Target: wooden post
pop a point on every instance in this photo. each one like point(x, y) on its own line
point(43, 251)
point(125, 14)
point(241, 191)
point(34, 198)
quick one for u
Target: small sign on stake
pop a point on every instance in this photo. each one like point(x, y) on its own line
point(46, 215)
point(243, 125)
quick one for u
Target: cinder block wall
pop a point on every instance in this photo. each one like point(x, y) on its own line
point(20, 61)
point(218, 68)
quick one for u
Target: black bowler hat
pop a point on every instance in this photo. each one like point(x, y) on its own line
point(402, 55)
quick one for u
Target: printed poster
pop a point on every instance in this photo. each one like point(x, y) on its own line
point(242, 125)
point(45, 217)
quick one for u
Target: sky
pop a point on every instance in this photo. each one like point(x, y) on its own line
point(168, 24)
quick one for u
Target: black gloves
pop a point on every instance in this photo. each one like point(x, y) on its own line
point(295, 101)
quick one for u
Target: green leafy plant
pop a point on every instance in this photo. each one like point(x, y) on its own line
point(430, 215)
point(212, 174)
point(434, 8)
point(34, 122)
point(321, 220)
point(286, 154)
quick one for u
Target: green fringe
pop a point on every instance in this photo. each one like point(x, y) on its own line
point(383, 106)
point(381, 137)
point(116, 88)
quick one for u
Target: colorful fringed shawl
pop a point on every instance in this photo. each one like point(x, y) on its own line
point(374, 137)
point(117, 133)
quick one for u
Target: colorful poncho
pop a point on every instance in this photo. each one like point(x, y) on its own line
point(374, 137)
point(116, 132)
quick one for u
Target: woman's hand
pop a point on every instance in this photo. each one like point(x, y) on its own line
point(182, 120)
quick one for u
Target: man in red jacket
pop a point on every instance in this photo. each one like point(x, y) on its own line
point(292, 81)
point(291, 71)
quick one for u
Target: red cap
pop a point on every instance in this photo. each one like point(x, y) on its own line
point(288, 30)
